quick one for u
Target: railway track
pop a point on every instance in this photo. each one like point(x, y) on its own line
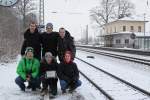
point(132, 59)
point(113, 87)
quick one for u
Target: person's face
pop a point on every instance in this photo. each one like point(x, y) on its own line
point(49, 29)
point(48, 60)
point(29, 55)
point(62, 33)
point(67, 58)
point(32, 28)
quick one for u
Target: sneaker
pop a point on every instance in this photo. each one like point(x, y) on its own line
point(51, 96)
point(71, 89)
point(64, 91)
point(39, 87)
point(28, 87)
point(33, 89)
point(23, 90)
point(44, 92)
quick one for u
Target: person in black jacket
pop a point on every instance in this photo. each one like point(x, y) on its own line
point(68, 73)
point(48, 71)
point(50, 40)
point(65, 43)
point(32, 39)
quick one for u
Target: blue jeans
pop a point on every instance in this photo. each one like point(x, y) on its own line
point(64, 84)
point(20, 82)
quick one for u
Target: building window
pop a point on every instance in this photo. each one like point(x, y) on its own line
point(139, 29)
point(126, 41)
point(118, 41)
point(124, 28)
point(132, 28)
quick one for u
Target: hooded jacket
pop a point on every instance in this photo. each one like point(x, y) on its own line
point(66, 44)
point(68, 72)
point(44, 66)
point(28, 65)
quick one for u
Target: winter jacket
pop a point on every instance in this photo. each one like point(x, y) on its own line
point(49, 42)
point(27, 66)
point(66, 44)
point(32, 40)
point(44, 66)
point(68, 72)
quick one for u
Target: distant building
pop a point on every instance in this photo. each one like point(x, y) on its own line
point(126, 32)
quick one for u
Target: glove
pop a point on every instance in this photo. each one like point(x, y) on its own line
point(42, 77)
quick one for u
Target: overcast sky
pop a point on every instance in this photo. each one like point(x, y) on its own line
point(74, 14)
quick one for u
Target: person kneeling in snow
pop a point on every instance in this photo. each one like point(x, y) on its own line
point(68, 73)
point(48, 75)
point(28, 70)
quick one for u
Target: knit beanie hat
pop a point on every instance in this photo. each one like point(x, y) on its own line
point(48, 54)
point(49, 25)
point(29, 49)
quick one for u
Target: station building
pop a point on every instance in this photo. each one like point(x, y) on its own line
point(127, 32)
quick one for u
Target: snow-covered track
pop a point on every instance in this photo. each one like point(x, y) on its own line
point(121, 50)
point(132, 59)
point(97, 87)
point(128, 87)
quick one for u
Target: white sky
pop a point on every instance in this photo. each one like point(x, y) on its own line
point(74, 14)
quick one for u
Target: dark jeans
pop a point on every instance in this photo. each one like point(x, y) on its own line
point(38, 83)
point(52, 83)
point(64, 85)
point(20, 82)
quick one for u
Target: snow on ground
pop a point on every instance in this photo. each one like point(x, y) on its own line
point(132, 72)
point(112, 86)
point(10, 91)
point(137, 74)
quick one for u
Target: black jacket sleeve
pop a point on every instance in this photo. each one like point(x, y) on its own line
point(72, 47)
point(76, 72)
point(23, 48)
point(60, 74)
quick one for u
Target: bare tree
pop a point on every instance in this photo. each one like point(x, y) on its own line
point(29, 18)
point(10, 37)
point(124, 8)
point(25, 7)
point(11, 21)
point(111, 9)
point(103, 13)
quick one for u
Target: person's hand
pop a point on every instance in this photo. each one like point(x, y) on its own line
point(74, 81)
point(28, 77)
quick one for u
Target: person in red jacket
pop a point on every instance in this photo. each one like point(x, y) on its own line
point(68, 73)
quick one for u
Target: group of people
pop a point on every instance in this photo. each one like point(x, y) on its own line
point(39, 64)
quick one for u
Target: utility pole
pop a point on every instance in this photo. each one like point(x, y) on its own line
point(86, 34)
point(41, 12)
point(24, 13)
point(144, 30)
point(119, 9)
